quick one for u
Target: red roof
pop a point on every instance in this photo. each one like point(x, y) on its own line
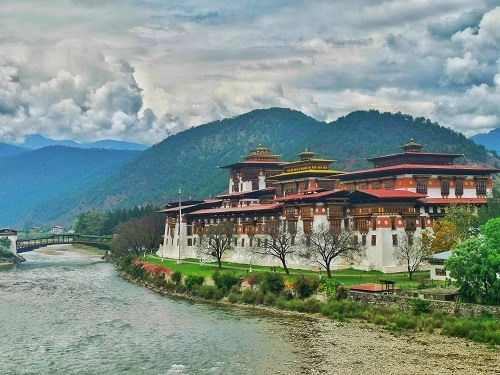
point(176, 208)
point(240, 193)
point(310, 194)
point(406, 167)
point(372, 288)
point(250, 208)
point(387, 193)
point(454, 200)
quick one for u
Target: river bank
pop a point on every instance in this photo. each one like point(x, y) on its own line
point(357, 347)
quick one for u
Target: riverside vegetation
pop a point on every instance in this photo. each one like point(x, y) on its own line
point(271, 289)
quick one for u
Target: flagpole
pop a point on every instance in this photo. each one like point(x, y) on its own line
point(180, 229)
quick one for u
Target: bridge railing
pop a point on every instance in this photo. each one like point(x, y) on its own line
point(54, 239)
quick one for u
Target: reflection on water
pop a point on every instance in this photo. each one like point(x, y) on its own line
point(67, 312)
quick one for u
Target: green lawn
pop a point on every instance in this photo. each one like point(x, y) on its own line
point(191, 266)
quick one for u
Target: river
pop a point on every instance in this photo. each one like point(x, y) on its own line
point(65, 311)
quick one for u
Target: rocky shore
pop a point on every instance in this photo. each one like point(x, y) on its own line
point(354, 348)
point(327, 346)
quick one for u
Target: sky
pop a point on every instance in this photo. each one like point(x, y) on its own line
point(140, 70)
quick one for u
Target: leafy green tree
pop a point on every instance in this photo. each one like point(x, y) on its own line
point(475, 265)
point(492, 208)
point(445, 236)
point(91, 223)
point(5, 243)
point(465, 220)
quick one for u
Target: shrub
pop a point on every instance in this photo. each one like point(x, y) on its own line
point(479, 329)
point(281, 303)
point(208, 292)
point(343, 309)
point(334, 291)
point(224, 281)
point(272, 282)
point(159, 281)
point(251, 296)
point(176, 277)
point(136, 271)
point(233, 297)
point(419, 306)
point(404, 321)
point(270, 299)
point(254, 279)
point(235, 289)
point(192, 280)
point(305, 287)
point(309, 305)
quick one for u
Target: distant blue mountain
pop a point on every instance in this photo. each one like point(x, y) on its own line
point(36, 141)
point(10, 150)
point(489, 140)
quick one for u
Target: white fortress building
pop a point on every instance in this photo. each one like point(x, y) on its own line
point(403, 192)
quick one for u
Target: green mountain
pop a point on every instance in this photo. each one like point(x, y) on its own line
point(489, 140)
point(35, 182)
point(190, 159)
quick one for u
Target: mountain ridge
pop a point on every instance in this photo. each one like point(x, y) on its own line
point(37, 141)
point(490, 140)
point(190, 159)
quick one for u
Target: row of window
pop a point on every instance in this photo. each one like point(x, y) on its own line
point(445, 187)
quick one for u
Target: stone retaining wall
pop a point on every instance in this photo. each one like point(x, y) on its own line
point(401, 303)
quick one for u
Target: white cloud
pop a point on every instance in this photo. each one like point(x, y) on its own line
point(142, 70)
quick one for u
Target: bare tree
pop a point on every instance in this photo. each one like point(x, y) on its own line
point(277, 242)
point(138, 235)
point(412, 251)
point(217, 240)
point(153, 228)
point(325, 244)
point(127, 239)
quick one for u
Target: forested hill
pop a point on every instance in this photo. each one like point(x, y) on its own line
point(37, 183)
point(489, 140)
point(9, 150)
point(189, 159)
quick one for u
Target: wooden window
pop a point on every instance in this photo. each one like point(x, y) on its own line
point(459, 188)
point(363, 240)
point(394, 240)
point(374, 240)
point(422, 185)
point(374, 224)
point(190, 242)
point(389, 185)
point(481, 187)
point(445, 188)
point(393, 223)
point(355, 239)
point(422, 222)
point(307, 226)
point(440, 272)
point(376, 185)
point(242, 242)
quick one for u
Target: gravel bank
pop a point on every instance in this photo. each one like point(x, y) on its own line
point(333, 347)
